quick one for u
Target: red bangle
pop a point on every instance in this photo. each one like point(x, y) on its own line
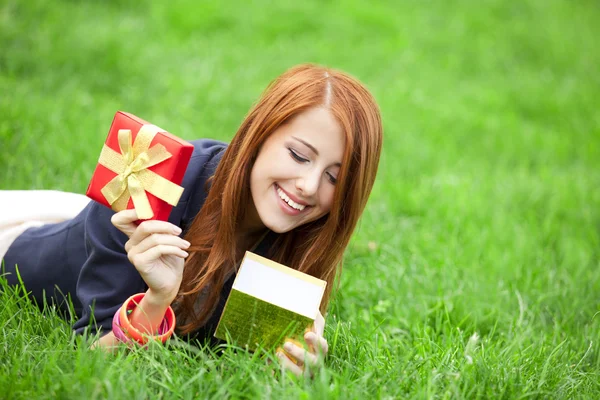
point(166, 328)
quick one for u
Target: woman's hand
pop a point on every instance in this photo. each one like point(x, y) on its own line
point(156, 251)
point(297, 358)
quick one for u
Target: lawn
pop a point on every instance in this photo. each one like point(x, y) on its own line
point(475, 270)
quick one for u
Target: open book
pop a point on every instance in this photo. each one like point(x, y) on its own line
point(268, 303)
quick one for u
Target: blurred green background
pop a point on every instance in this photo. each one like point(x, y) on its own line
point(485, 217)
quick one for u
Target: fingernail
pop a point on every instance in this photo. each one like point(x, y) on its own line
point(187, 244)
point(177, 230)
point(287, 346)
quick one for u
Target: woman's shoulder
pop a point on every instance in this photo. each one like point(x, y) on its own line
point(204, 161)
point(206, 149)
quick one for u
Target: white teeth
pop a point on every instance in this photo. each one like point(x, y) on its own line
point(291, 202)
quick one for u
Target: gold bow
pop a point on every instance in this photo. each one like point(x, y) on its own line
point(133, 178)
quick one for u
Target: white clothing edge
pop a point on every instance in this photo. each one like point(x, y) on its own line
point(24, 209)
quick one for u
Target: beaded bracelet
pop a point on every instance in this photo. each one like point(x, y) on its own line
point(125, 332)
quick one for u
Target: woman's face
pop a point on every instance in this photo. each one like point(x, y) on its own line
point(294, 175)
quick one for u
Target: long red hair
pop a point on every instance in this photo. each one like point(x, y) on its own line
point(315, 248)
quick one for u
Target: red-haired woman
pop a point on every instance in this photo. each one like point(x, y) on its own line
point(291, 185)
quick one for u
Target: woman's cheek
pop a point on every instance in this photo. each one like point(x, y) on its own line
point(328, 200)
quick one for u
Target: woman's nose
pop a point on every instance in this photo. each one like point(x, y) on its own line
point(308, 184)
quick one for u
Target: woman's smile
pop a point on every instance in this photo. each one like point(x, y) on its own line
point(288, 205)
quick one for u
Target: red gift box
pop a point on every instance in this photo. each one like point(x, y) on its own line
point(141, 167)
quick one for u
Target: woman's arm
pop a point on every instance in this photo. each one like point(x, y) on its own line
point(106, 342)
point(107, 277)
point(157, 253)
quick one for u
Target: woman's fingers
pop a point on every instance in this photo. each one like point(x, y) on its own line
point(144, 230)
point(302, 356)
point(156, 239)
point(289, 365)
point(316, 342)
point(299, 360)
point(156, 252)
point(147, 228)
point(319, 324)
point(124, 221)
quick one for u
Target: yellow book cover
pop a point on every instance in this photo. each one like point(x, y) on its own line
point(268, 303)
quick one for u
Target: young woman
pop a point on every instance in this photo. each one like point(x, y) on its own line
point(290, 186)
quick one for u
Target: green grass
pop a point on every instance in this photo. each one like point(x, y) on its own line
point(484, 221)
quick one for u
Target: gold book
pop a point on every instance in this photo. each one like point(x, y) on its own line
point(268, 303)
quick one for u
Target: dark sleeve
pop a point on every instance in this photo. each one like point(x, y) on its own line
point(107, 278)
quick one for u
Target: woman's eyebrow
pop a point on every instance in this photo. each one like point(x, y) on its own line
point(310, 146)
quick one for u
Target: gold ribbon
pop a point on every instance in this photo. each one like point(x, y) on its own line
point(133, 178)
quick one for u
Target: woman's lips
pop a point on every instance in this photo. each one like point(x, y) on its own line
point(285, 207)
point(292, 197)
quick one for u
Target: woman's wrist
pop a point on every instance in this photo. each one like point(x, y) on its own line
point(157, 299)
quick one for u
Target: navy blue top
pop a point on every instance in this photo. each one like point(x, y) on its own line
point(85, 257)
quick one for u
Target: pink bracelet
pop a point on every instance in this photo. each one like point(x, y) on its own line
point(116, 328)
point(164, 331)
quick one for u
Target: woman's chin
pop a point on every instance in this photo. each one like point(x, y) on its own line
point(278, 225)
point(279, 228)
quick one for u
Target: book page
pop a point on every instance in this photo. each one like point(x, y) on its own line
point(279, 288)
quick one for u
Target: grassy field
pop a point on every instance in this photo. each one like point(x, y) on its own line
point(475, 271)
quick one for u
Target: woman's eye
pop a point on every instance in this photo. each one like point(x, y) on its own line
point(331, 178)
point(297, 157)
